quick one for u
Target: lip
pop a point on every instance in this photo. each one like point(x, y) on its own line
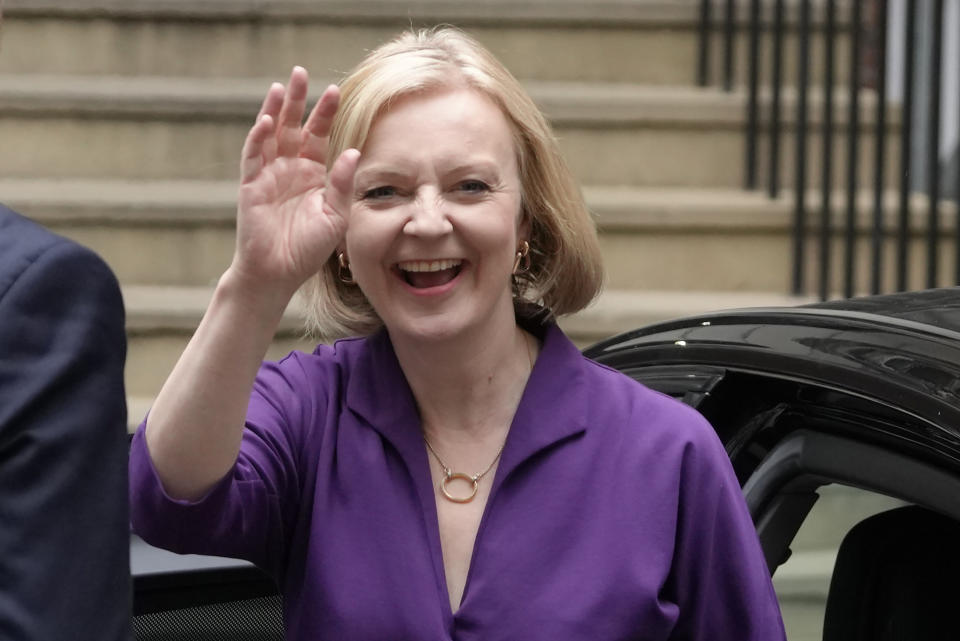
point(426, 292)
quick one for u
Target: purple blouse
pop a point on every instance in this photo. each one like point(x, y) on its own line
point(614, 512)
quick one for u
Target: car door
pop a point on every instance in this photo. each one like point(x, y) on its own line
point(828, 473)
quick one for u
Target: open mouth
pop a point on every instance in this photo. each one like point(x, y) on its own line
point(423, 274)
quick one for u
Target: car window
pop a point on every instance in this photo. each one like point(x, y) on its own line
point(802, 583)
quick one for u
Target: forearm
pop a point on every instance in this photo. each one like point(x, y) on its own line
point(289, 220)
point(196, 423)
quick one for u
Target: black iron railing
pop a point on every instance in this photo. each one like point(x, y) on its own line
point(863, 26)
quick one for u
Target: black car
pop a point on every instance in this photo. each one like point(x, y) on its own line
point(861, 393)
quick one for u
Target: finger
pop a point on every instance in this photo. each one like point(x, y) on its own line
point(271, 105)
point(291, 113)
point(272, 102)
point(339, 192)
point(316, 131)
point(252, 156)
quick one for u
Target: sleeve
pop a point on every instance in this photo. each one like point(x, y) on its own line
point(64, 529)
point(252, 511)
point(719, 580)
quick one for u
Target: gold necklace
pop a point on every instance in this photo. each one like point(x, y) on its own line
point(449, 475)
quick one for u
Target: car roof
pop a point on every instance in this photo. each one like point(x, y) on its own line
point(938, 308)
point(902, 350)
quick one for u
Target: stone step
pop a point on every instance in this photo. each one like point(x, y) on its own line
point(158, 128)
point(555, 40)
point(160, 321)
point(181, 232)
point(790, 47)
point(636, 41)
point(735, 240)
point(617, 311)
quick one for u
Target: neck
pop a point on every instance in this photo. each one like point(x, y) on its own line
point(469, 387)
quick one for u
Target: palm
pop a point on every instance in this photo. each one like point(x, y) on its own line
point(282, 228)
point(289, 219)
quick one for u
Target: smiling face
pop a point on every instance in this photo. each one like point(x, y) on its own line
point(436, 219)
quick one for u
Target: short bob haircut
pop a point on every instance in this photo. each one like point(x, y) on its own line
point(566, 269)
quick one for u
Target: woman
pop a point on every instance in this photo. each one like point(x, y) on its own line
point(459, 471)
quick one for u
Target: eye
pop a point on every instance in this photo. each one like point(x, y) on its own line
point(380, 193)
point(473, 186)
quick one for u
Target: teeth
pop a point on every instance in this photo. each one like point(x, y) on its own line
point(428, 265)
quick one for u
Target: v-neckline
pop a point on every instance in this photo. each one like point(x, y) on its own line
point(380, 394)
point(437, 552)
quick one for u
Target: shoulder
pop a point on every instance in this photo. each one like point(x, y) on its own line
point(54, 288)
point(615, 392)
point(325, 360)
point(614, 406)
point(657, 443)
point(22, 237)
point(300, 397)
point(299, 374)
point(648, 423)
point(32, 258)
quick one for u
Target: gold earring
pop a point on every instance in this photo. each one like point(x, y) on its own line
point(344, 272)
point(522, 264)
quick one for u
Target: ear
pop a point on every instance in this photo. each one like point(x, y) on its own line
point(524, 225)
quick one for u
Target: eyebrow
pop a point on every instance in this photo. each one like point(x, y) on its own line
point(483, 165)
point(389, 171)
point(376, 174)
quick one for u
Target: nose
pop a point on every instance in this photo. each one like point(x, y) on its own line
point(428, 217)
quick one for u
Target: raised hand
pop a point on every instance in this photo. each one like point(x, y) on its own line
point(291, 215)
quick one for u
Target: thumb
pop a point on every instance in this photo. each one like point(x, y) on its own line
point(339, 192)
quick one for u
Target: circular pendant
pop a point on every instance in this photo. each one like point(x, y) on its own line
point(462, 477)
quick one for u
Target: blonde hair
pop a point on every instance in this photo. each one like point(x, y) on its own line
point(566, 271)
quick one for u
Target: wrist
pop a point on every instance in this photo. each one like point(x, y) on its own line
point(261, 300)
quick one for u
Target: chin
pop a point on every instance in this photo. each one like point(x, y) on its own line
point(448, 322)
point(430, 328)
point(426, 330)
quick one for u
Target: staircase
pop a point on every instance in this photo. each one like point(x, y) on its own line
point(122, 123)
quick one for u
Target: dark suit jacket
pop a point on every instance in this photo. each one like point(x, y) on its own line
point(64, 533)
